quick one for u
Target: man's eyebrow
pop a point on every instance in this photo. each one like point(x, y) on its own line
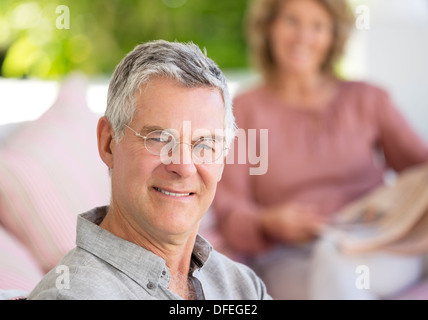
point(210, 135)
point(147, 129)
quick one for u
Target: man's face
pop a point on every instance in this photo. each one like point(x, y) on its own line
point(167, 199)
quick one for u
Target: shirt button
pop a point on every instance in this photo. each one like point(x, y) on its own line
point(150, 285)
point(163, 272)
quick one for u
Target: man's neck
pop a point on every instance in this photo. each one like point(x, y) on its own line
point(177, 254)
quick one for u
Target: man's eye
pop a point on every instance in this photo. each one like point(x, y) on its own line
point(205, 144)
point(202, 146)
point(159, 137)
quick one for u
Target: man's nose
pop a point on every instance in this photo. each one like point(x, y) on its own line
point(182, 162)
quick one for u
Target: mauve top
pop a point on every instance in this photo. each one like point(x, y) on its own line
point(327, 158)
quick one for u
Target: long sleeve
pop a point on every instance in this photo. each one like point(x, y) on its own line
point(401, 145)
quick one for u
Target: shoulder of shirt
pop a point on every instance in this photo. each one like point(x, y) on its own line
point(237, 279)
point(363, 88)
point(233, 271)
point(257, 94)
point(86, 280)
point(249, 104)
point(249, 95)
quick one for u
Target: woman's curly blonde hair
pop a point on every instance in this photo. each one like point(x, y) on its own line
point(261, 14)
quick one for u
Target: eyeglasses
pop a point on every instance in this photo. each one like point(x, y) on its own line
point(163, 143)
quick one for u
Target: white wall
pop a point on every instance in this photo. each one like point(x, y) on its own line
point(393, 52)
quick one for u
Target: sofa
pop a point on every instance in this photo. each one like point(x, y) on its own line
point(50, 171)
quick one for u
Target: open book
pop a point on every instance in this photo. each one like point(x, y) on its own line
point(392, 217)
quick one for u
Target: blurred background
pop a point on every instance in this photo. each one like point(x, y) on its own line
point(40, 41)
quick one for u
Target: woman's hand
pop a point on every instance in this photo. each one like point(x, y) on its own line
point(291, 223)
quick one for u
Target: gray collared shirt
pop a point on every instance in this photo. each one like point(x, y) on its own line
point(103, 266)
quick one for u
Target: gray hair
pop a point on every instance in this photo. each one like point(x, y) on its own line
point(182, 62)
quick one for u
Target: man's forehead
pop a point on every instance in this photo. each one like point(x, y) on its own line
point(164, 104)
point(159, 89)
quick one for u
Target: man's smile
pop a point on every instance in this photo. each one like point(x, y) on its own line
point(174, 193)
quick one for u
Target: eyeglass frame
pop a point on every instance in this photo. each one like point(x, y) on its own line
point(175, 144)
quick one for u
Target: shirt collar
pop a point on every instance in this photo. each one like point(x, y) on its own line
point(141, 265)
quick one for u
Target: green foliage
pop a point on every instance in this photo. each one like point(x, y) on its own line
point(101, 32)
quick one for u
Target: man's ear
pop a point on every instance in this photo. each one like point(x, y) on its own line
point(105, 141)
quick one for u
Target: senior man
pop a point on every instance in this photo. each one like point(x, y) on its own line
point(164, 137)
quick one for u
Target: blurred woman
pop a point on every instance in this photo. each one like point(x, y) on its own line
point(330, 140)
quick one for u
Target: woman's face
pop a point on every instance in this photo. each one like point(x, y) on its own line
point(301, 37)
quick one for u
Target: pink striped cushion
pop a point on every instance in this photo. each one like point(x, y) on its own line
point(18, 269)
point(50, 171)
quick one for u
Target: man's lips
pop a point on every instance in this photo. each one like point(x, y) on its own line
point(174, 193)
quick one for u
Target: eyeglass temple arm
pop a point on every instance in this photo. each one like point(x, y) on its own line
point(136, 133)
